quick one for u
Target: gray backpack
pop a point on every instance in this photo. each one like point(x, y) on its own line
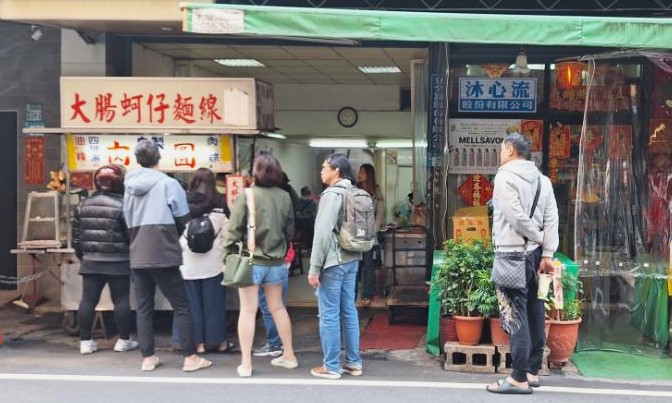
point(357, 220)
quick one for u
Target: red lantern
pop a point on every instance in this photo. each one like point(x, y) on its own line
point(569, 74)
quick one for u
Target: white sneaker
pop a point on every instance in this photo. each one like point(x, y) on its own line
point(125, 345)
point(88, 346)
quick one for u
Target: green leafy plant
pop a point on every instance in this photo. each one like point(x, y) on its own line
point(483, 299)
point(571, 310)
point(460, 278)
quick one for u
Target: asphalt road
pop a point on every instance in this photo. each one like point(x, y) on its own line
point(39, 363)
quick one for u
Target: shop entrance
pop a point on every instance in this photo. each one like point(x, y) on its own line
point(8, 164)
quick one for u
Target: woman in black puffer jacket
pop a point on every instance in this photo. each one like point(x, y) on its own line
point(100, 239)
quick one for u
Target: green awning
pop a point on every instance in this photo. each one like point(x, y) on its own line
point(611, 32)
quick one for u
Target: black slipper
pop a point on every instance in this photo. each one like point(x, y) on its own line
point(534, 384)
point(228, 349)
point(504, 387)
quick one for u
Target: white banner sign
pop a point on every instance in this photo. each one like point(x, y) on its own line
point(88, 152)
point(474, 145)
point(213, 21)
point(164, 103)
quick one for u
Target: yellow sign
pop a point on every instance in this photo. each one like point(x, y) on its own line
point(88, 152)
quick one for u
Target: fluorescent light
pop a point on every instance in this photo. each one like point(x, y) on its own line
point(531, 66)
point(394, 144)
point(274, 135)
point(379, 69)
point(338, 143)
point(239, 62)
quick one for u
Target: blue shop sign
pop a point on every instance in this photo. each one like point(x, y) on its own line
point(503, 95)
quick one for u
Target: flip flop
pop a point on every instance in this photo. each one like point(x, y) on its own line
point(151, 366)
point(534, 384)
point(229, 348)
point(202, 363)
point(504, 387)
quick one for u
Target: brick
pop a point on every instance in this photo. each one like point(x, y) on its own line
point(503, 363)
point(463, 358)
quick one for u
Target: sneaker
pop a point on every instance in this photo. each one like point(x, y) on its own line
point(268, 351)
point(88, 346)
point(125, 345)
point(284, 362)
point(351, 369)
point(322, 372)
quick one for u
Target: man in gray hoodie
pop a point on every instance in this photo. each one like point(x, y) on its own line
point(156, 213)
point(521, 312)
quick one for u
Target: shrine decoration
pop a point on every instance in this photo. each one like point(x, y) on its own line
point(569, 74)
point(591, 139)
point(560, 142)
point(534, 131)
point(494, 70)
point(620, 141)
point(34, 158)
point(476, 190)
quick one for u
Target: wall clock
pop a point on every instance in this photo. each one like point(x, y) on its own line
point(347, 117)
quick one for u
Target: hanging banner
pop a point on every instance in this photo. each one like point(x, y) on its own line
point(88, 152)
point(474, 144)
point(231, 105)
point(502, 95)
point(34, 157)
point(234, 187)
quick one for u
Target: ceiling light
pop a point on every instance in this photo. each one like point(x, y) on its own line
point(520, 66)
point(166, 29)
point(239, 62)
point(379, 69)
point(394, 144)
point(274, 135)
point(338, 143)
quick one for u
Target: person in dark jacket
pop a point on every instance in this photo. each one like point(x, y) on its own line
point(156, 212)
point(100, 240)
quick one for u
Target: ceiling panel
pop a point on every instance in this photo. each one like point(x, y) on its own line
point(362, 53)
point(303, 64)
point(312, 53)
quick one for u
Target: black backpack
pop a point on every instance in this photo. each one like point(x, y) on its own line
point(201, 234)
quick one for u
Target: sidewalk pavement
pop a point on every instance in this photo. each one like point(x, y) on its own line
point(37, 342)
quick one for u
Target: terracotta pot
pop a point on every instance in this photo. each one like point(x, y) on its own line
point(562, 339)
point(447, 331)
point(547, 328)
point(497, 334)
point(469, 329)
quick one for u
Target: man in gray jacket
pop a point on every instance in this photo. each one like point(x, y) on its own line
point(156, 213)
point(521, 312)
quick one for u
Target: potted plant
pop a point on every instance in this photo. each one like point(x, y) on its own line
point(458, 282)
point(564, 330)
point(484, 300)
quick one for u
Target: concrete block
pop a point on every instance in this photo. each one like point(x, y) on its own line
point(503, 361)
point(463, 358)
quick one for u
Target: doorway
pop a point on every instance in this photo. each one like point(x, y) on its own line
point(8, 164)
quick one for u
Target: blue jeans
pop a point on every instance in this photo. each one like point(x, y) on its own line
point(272, 336)
point(207, 299)
point(336, 299)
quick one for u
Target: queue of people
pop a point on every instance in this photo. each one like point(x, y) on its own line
point(141, 224)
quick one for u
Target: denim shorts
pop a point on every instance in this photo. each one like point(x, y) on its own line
point(269, 274)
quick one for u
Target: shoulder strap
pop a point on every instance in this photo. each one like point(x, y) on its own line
point(251, 220)
point(536, 196)
point(534, 202)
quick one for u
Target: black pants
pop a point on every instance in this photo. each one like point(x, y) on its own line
point(170, 282)
point(521, 315)
point(92, 287)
